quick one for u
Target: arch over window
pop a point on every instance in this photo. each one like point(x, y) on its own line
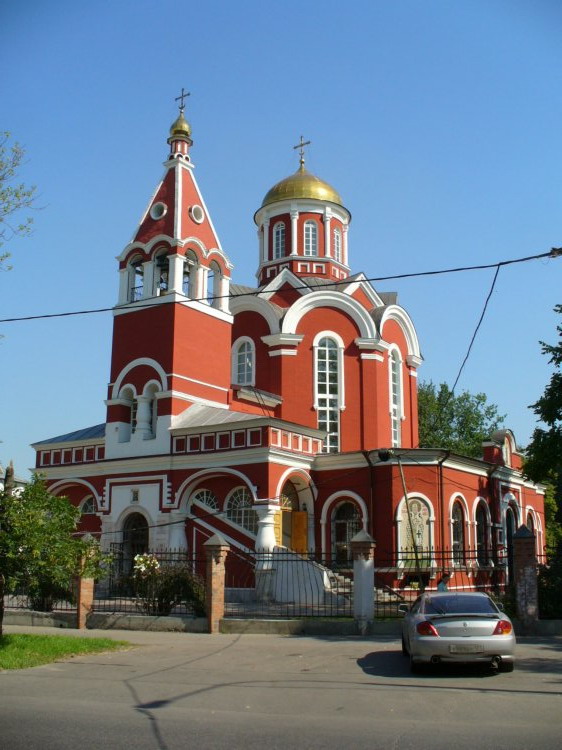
point(396, 396)
point(239, 510)
point(310, 238)
point(206, 497)
point(457, 533)
point(279, 240)
point(243, 361)
point(337, 245)
point(161, 272)
point(328, 383)
point(136, 279)
point(130, 402)
point(88, 506)
point(346, 523)
point(150, 391)
point(482, 534)
point(530, 522)
point(189, 278)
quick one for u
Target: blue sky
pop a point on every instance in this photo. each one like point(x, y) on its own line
point(438, 122)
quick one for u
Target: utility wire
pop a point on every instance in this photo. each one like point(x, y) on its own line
point(553, 253)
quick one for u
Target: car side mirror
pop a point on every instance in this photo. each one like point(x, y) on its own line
point(403, 609)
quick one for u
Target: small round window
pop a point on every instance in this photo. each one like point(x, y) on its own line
point(197, 213)
point(158, 210)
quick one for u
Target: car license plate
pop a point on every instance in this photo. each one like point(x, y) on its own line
point(465, 648)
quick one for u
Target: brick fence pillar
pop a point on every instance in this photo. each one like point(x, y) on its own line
point(525, 577)
point(216, 549)
point(85, 600)
point(362, 548)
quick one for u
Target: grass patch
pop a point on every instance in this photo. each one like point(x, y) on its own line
point(23, 651)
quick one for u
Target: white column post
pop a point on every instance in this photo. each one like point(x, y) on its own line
point(265, 241)
point(294, 232)
point(144, 417)
point(327, 224)
point(148, 279)
point(265, 543)
point(175, 279)
point(362, 547)
point(344, 249)
point(177, 532)
point(123, 286)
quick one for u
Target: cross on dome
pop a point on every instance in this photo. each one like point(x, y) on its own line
point(184, 94)
point(301, 146)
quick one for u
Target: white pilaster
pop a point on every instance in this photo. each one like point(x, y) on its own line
point(266, 240)
point(294, 232)
point(327, 224)
point(175, 280)
point(144, 417)
point(148, 279)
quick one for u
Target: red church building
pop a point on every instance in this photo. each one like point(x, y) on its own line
point(260, 412)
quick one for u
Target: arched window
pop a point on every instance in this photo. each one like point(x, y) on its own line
point(135, 541)
point(88, 507)
point(151, 391)
point(396, 404)
point(206, 497)
point(213, 285)
point(415, 532)
point(457, 522)
point(310, 238)
point(239, 510)
point(129, 400)
point(136, 279)
point(482, 535)
point(161, 273)
point(189, 282)
point(243, 362)
point(346, 523)
point(279, 240)
point(327, 397)
point(337, 245)
point(530, 522)
point(289, 502)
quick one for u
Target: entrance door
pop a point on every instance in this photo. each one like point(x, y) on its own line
point(135, 539)
point(346, 522)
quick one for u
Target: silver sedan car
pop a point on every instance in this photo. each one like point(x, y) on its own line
point(446, 626)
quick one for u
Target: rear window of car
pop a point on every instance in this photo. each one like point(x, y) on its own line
point(459, 604)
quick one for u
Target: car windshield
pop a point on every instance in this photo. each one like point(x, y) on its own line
point(454, 604)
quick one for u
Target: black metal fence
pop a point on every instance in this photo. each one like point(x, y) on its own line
point(172, 583)
point(47, 599)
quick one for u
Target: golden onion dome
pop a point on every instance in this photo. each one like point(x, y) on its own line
point(180, 127)
point(302, 184)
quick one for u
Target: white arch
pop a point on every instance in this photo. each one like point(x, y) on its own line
point(252, 303)
point(187, 486)
point(415, 496)
point(400, 316)
point(326, 298)
point(57, 486)
point(136, 363)
point(234, 373)
point(459, 497)
point(330, 503)
point(302, 474)
point(146, 248)
point(129, 511)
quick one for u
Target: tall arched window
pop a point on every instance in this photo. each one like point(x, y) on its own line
point(457, 522)
point(243, 362)
point(482, 535)
point(328, 384)
point(151, 392)
point(189, 281)
point(128, 396)
point(279, 240)
point(136, 279)
point(530, 522)
point(213, 285)
point(396, 398)
point(161, 273)
point(337, 245)
point(346, 523)
point(239, 510)
point(310, 238)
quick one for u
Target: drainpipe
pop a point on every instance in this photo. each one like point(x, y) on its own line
point(371, 500)
point(440, 463)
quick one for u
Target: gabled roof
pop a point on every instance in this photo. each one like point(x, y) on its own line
point(88, 433)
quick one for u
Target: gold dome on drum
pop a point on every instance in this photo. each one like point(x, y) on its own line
point(180, 127)
point(302, 184)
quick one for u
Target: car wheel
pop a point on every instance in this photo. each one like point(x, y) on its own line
point(404, 649)
point(507, 666)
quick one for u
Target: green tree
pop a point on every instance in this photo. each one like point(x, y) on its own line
point(14, 197)
point(459, 423)
point(544, 453)
point(39, 551)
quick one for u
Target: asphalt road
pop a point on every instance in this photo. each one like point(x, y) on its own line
point(178, 690)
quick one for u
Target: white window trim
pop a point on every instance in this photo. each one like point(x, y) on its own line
point(341, 377)
point(281, 254)
point(314, 236)
point(395, 356)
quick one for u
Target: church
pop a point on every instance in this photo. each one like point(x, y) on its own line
point(280, 413)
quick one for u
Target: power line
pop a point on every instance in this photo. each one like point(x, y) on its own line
point(553, 253)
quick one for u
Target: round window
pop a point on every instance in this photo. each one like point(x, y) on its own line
point(197, 213)
point(158, 210)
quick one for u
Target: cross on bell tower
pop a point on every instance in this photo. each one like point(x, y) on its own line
point(301, 146)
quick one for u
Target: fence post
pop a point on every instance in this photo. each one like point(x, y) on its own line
point(216, 549)
point(85, 600)
point(362, 548)
point(525, 577)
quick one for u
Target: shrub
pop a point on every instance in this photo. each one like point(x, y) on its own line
point(159, 588)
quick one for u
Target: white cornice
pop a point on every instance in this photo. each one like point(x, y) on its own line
point(280, 339)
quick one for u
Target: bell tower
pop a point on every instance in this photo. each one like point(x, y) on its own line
point(302, 225)
point(173, 301)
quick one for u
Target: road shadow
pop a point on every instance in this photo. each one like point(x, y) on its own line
point(392, 664)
